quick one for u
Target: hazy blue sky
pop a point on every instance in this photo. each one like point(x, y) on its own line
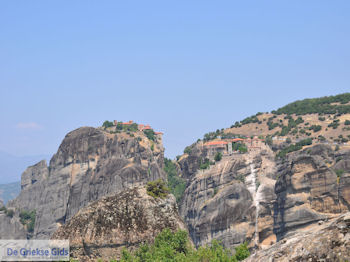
point(185, 67)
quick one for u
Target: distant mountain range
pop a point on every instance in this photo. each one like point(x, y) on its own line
point(11, 167)
point(9, 191)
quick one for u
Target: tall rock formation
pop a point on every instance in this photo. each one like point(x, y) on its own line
point(222, 202)
point(257, 198)
point(89, 164)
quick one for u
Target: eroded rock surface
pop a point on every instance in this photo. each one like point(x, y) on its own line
point(221, 202)
point(256, 198)
point(89, 164)
point(110, 224)
point(323, 241)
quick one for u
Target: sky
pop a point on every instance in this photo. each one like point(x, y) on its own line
point(184, 67)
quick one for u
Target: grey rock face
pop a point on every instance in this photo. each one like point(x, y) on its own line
point(306, 191)
point(219, 204)
point(189, 163)
point(89, 164)
point(33, 174)
point(277, 201)
point(127, 219)
point(10, 227)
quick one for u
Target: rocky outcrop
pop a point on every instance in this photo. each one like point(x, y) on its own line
point(33, 174)
point(189, 162)
point(10, 226)
point(308, 190)
point(221, 202)
point(110, 224)
point(256, 198)
point(323, 241)
point(89, 164)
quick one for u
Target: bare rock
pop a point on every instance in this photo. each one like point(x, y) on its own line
point(110, 224)
point(90, 163)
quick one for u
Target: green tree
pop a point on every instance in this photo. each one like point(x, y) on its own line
point(175, 246)
point(107, 124)
point(242, 251)
point(243, 148)
point(176, 184)
point(218, 156)
point(150, 134)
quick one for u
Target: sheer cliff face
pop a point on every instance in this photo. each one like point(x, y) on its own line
point(253, 197)
point(221, 202)
point(127, 219)
point(89, 164)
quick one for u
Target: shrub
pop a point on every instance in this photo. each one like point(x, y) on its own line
point(294, 147)
point(268, 140)
point(176, 184)
point(271, 125)
point(251, 119)
point(204, 164)
point(169, 246)
point(339, 172)
point(218, 156)
point(243, 148)
point(315, 128)
point(187, 150)
point(347, 122)
point(242, 251)
point(240, 177)
point(157, 189)
point(334, 124)
point(28, 218)
point(107, 124)
point(150, 134)
point(10, 212)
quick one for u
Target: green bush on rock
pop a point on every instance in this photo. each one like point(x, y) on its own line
point(175, 246)
point(157, 189)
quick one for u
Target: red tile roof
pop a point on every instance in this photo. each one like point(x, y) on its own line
point(237, 139)
point(215, 143)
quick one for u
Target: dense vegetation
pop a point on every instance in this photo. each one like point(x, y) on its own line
point(157, 189)
point(315, 128)
point(205, 163)
point(218, 156)
point(241, 147)
point(323, 105)
point(28, 218)
point(219, 133)
point(150, 134)
point(169, 246)
point(120, 127)
point(294, 147)
point(176, 184)
point(107, 124)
